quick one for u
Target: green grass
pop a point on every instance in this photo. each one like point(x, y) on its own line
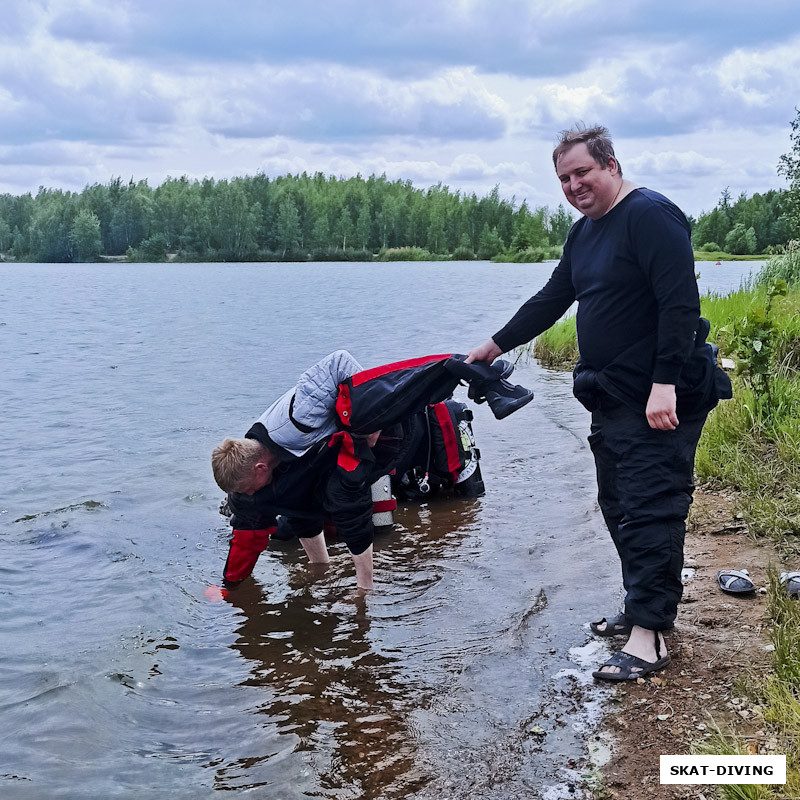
point(745, 450)
point(718, 255)
point(721, 310)
point(557, 347)
point(760, 461)
point(785, 266)
point(724, 743)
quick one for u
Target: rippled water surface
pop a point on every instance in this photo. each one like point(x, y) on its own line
point(460, 676)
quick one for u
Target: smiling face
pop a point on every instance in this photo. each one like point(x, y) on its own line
point(587, 185)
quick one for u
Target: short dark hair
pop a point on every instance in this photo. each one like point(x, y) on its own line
point(597, 140)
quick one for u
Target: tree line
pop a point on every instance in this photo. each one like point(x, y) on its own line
point(290, 217)
point(321, 217)
point(763, 223)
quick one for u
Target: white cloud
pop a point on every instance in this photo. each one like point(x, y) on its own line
point(320, 103)
point(468, 92)
point(667, 162)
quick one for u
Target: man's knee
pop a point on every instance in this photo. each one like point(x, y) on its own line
point(358, 544)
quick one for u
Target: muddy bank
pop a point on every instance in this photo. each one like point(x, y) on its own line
point(718, 638)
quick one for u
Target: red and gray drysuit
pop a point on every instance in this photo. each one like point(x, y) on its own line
point(326, 467)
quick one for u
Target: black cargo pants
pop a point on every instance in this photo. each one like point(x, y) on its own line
point(645, 481)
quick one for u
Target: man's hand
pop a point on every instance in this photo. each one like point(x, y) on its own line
point(660, 410)
point(488, 352)
point(214, 594)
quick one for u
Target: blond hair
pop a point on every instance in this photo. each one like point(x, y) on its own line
point(233, 461)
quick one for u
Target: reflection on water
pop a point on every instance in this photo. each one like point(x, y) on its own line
point(343, 702)
point(348, 705)
point(457, 677)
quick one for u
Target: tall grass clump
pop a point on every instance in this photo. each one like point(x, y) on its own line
point(339, 254)
point(785, 266)
point(759, 460)
point(729, 744)
point(530, 255)
point(751, 443)
point(556, 348)
point(409, 254)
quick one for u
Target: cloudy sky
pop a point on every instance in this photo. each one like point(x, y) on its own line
point(698, 94)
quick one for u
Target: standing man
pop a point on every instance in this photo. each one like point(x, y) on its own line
point(645, 373)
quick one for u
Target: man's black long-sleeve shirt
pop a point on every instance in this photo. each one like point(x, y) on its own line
point(632, 273)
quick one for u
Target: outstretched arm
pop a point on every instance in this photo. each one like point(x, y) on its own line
point(534, 316)
point(246, 547)
point(252, 527)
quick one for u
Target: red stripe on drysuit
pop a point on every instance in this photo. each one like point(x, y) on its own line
point(246, 547)
point(450, 442)
point(347, 458)
point(376, 372)
point(384, 505)
point(343, 408)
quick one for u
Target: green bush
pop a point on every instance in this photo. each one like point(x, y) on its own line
point(463, 253)
point(710, 247)
point(409, 254)
point(531, 255)
point(152, 250)
point(337, 254)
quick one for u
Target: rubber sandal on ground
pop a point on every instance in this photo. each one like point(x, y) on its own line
point(791, 582)
point(630, 667)
point(735, 581)
point(616, 626)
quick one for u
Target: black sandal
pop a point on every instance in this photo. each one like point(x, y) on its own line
point(617, 626)
point(631, 667)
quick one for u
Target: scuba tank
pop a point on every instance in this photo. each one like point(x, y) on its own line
point(442, 456)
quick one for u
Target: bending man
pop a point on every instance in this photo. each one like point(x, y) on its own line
point(314, 453)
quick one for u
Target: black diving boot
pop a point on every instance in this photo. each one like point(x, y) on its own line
point(502, 367)
point(505, 398)
point(486, 382)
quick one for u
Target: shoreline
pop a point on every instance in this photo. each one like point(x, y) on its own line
point(719, 642)
point(173, 258)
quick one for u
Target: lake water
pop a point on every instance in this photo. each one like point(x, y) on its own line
point(463, 675)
